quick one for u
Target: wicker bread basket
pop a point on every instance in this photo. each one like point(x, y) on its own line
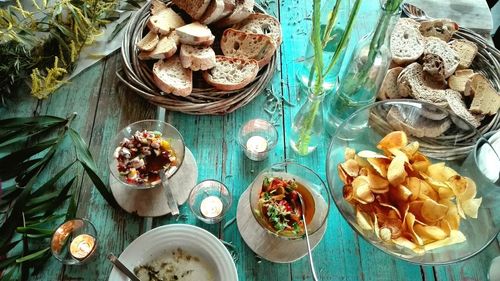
point(452, 146)
point(204, 100)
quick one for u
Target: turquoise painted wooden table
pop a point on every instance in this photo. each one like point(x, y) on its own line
point(105, 106)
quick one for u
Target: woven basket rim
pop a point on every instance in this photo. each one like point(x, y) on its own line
point(202, 101)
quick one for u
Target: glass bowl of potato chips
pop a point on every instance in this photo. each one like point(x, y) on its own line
point(416, 199)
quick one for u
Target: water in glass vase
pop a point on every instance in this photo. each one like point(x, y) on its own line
point(346, 103)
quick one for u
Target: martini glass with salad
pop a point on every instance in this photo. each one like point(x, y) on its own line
point(275, 204)
point(144, 149)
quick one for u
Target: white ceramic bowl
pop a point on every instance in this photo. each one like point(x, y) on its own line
point(191, 239)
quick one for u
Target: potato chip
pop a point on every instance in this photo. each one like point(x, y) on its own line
point(363, 220)
point(348, 193)
point(430, 232)
point(445, 226)
point(400, 193)
point(404, 242)
point(427, 191)
point(396, 173)
point(380, 165)
point(396, 139)
point(371, 154)
point(464, 188)
point(471, 207)
point(349, 153)
point(410, 149)
point(420, 162)
point(455, 237)
point(396, 152)
point(385, 234)
point(377, 183)
point(395, 227)
point(452, 216)
point(413, 185)
point(344, 177)
point(351, 167)
point(410, 222)
point(445, 193)
point(362, 191)
point(433, 211)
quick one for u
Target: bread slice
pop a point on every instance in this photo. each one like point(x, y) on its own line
point(229, 6)
point(457, 105)
point(213, 12)
point(438, 47)
point(458, 80)
point(407, 44)
point(196, 34)
point(164, 21)
point(486, 99)
point(166, 47)
point(231, 73)
point(411, 82)
point(194, 8)
point(242, 10)
point(399, 119)
point(197, 57)
point(410, 22)
point(149, 42)
point(157, 6)
point(433, 65)
point(261, 24)
point(235, 43)
point(170, 77)
point(440, 28)
point(466, 51)
point(389, 88)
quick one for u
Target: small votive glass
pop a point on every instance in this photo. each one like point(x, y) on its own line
point(257, 138)
point(209, 201)
point(74, 242)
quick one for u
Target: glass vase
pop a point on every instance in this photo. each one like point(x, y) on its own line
point(365, 73)
point(308, 126)
point(305, 72)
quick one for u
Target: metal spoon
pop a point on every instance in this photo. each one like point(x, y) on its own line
point(116, 262)
point(414, 12)
point(309, 254)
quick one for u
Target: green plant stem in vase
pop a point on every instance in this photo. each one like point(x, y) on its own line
point(307, 126)
point(366, 69)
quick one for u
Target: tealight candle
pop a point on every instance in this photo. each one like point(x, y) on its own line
point(82, 246)
point(257, 138)
point(211, 207)
point(257, 144)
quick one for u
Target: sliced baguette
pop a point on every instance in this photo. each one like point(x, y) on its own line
point(457, 105)
point(231, 73)
point(235, 43)
point(164, 21)
point(149, 42)
point(433, 65)
point(411, 82)
point(261, 24)
point(166, 47)
point(157, 6)
point(410, 22)
point(213, 12)
point(458, 80)
point(194, 8)
point(440, 48)
point(389, 88)
point(399, 119)
point(406, 44)
point(486, 99)
point(170, 77)
point(197, 57)
point(440, 28)
point(242, 9)
point(466, 51)
point(229, 6)
point(196, 34)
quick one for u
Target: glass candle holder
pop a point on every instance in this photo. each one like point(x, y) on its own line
point(209, 201)
point(74, 242)
point(257, 137)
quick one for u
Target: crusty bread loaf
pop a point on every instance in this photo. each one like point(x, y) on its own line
point(486, 99)
point(399, 119)
point(194, 8)
point(149, 42)
point(242, 9)
point(195, 33)
point(170, 77)
point(229, 6)
point(235, 43)
point(389, 88)
point(231, 73)
point(433, 65)
point(438, 47)
point(457, 105)
point(411, 82)
point(407, 44)
point(166, 47)
point(466, 51)
point(197, 57)
point(458, 80)
point(261, 24)
point(213, 12)
point(440, 28)
point(164, 21)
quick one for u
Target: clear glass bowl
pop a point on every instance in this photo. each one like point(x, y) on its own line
point(169, 133)
point(209, 201)
point(457, 147)
point(316, 194)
